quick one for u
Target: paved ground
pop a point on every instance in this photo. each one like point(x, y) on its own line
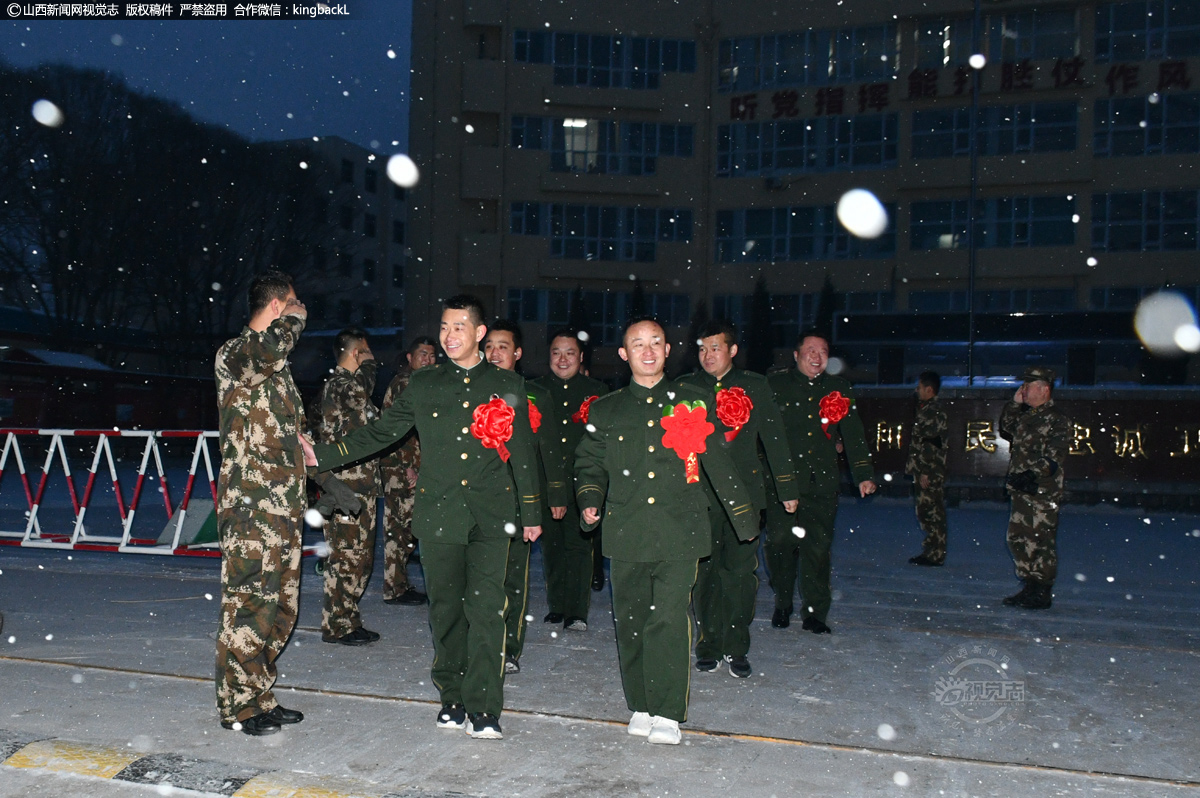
point(107, 663)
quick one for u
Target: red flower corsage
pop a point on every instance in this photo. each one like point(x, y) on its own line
point(834, 407)
point(733, 409)
point(580, 416)
point(687, 429)
point(493, 425)
point(535, 416)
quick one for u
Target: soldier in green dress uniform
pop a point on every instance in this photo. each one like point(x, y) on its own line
point(566, 549)
point(927, 448)
point(478, 476)
point(502, 347)
point(818, 411)
point(745, 414)
point(642, 459)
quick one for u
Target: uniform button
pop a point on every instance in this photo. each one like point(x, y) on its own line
point(810, 415)
point(464, 482)
point(651, 475)
point(464, 454)
point(650, 423)
point(650, 500)
point(649, 399)
point(466, 430)
point(810, 434)
point(649, 448)
point(466, 404)
point(620, 437)
point(435, 415)
point(466, 380)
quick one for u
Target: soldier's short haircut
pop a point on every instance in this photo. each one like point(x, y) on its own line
point(639, 320)
point(511, 327)
point(472, 304)
point(719, 327)
point(269, 285)
point(567, 332)
point(812, 332)
point(931, 379)
point(421, 340)
point(347, 338)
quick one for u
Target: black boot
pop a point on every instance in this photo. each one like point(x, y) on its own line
point(1016, 598)
point(1040, 596)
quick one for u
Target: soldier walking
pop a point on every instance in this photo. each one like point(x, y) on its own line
point(473, 419)
point(1039, 437)
point(745, 415)
point(566, 550)
point(398, 469)
point(260, 503)
point(927, 448)
point(818, 411)
point(345, 406)
point(645, 457)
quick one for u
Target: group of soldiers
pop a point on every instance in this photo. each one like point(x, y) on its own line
point(679, 471)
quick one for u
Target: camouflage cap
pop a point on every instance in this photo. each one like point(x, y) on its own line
point(1034, 373)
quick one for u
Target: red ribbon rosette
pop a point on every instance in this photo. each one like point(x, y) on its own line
point(834, 407)
point(580, 416)
point(733, 409)
point(687, 429)
point(493, 425)
point(535, 416)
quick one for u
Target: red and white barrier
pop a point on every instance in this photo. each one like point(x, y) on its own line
point(79, 538)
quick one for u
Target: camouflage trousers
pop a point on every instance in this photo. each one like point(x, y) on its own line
point(1032, 537)
point(351, 556)
point(931, 515)
point(260, 595)
point(398, 494)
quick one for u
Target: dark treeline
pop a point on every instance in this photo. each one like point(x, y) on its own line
point(131, 231)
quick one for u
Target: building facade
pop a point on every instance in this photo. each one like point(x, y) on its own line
point(672, 155)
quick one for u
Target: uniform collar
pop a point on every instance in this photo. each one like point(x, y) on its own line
point(472, 370)
point(641, 392)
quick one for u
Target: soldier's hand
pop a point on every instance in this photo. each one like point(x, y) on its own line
point(364, 354)
point(558, 513)
point(294, 307)
point(411, 475)
point(789, 507)
point(924, 480)
point(1023, 482)
point(591, 515)
point(532, 533)
point(866, 488)
point(310, 454)
point(1019, 396)
point(343, 498)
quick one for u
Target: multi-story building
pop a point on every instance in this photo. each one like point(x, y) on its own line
point(682, 152)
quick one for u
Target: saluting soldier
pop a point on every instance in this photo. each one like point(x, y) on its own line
point(1040, 437)
point(651, 458)
point(502, 347)
point(398, 468)
point(345, 406)
point(818, 410)
point(927, 448)
point(566, 549)
point(260, 503)
point(726, 585)
point(473, 419)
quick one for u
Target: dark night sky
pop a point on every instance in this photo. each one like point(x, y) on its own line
point(265, 80)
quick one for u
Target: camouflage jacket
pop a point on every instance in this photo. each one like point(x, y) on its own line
point(406, 454)
point(929, 442)
point(345, 406)
point(261, 412)
point(1039, 438)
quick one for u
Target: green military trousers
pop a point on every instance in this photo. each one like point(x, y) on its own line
point(786, 549)
point(567, 561)
point(726, 587)
point(466, 614)
point(516, 594)
point(654, 633)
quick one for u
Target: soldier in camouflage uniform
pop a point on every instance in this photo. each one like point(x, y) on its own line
point(260, 502)
point(1039, 437)
point(927, 448)
point(398, 470)
point(502, 346)
point(346, 405)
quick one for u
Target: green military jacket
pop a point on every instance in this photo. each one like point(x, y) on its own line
point(763, 424)
point(813, 444)
point(261, 415)
point(552, 478)
point(929, 442)
point(1039, 439)
point(461, 479)
point(345, 406)
point(567, 398)
point(652, 513)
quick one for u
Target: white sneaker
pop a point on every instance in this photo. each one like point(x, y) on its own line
point(639, 724)
point(665, 731)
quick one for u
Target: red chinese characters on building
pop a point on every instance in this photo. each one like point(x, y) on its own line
point(1068, 72)
point(1016, 75)
point(742, 107)
point(1173, 74)
point(831, 101)
point(922, 83)
point(873, 96)
point(786, 104)
point(1121, 78)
